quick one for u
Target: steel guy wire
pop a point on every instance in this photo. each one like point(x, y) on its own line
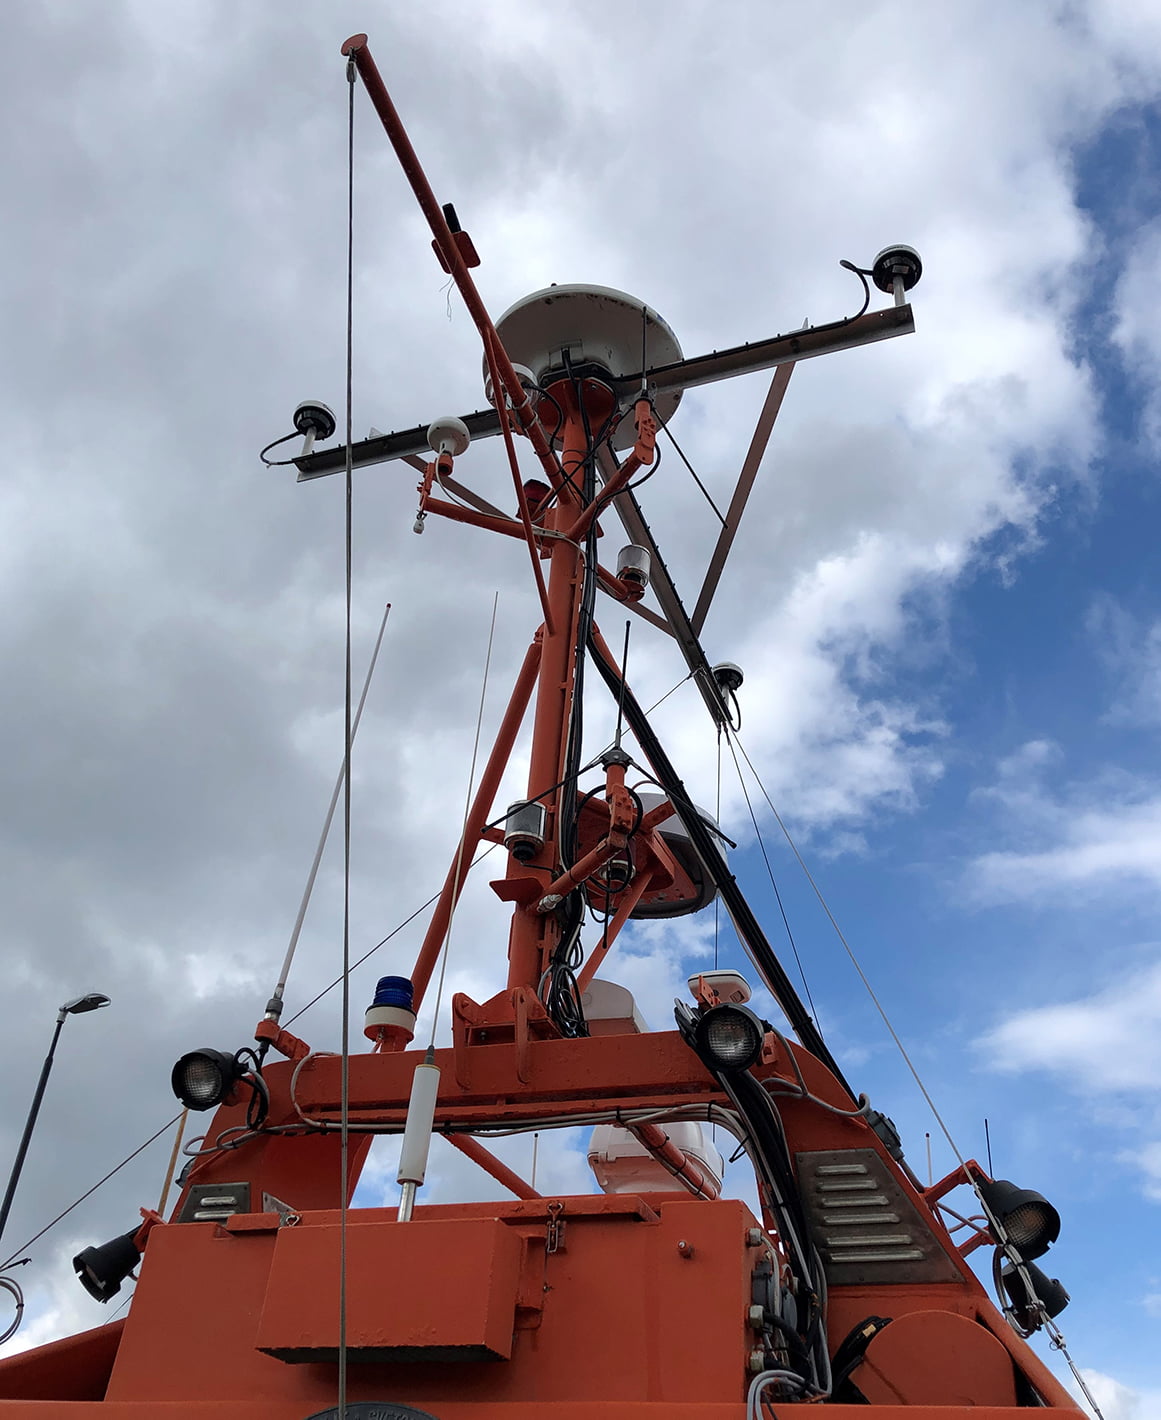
point(446, 952)
point(345, 1133)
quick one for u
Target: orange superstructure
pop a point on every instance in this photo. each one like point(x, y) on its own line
point(266, 1296)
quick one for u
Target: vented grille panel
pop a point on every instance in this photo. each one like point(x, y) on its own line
point(865, 1227)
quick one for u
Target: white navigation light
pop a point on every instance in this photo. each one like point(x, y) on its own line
point(524, 829)
point(634, 565)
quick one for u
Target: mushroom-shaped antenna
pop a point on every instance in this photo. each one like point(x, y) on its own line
point(896, 263)
point(448, 436)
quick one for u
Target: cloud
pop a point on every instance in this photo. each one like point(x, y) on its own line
point(1105, 1048)
point(1078, 841)
point(1130, 648)
point(1107, 1042)
point(1118, 1401)
point(1135, 333)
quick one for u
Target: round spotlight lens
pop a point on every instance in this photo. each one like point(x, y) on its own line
point(1030, 1222)
point(203, 1078)
point(730, 1037)
point(1028, 1225)
point(201, 1081)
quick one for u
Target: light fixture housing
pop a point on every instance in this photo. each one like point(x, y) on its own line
point(204, 1079)
point(729, 1037)
point(1030, 1222)
point(101, 1270)
point(902, 261)
point(91, 1001)
point(1049, 1292)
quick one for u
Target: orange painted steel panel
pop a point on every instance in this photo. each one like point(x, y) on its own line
point(645, 1300)
point(936, 1358)
point(458, 1410)
point(74, 1368)
point(420, 1291)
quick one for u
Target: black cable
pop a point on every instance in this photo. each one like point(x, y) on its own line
point(770, 1153)
point(89, 1192)
point(693, 473)
point(278, 463)
point(750, 932)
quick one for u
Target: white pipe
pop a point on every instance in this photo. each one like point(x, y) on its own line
point(417, 1131)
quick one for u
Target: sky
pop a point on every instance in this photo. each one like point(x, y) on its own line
point(942, 596)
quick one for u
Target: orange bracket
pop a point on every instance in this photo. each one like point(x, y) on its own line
point(646, 433)
point(150, 1219)
point(282, 1040)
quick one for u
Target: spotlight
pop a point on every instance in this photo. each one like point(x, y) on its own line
point(1031, 1223)
point(102, 1269)
point(1047, 1291)
point(202, 1079)
point(729, 1037)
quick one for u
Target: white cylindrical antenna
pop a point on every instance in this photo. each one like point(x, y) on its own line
point(417, 1132)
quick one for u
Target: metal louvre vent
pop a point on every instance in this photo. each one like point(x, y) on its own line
point(865, 1227)
point(214, 1202)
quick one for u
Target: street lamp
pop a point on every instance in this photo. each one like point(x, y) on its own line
point(90, 1002)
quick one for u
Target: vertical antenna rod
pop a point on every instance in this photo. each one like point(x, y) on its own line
point(356, 49)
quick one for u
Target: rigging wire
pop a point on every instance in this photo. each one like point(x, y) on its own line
point(770, 872)
point(275, 1003)
point(996, 1225)
point(345, 1103)
point(718, 819)
point(850, 953)
point(128, 1159)
point(446, 952)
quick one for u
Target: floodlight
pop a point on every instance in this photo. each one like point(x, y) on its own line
point(1049, 1296)
point(729, 1037)
point(102, 1269)
point(1029, 1221)
point(202, 1079)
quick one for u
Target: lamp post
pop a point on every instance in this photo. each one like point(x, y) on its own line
point(90, 1002)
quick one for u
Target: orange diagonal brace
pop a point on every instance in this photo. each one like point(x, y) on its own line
point(477, 816)
point(356, 49)
point(488, 1161)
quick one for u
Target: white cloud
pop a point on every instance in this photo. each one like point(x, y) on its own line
point(1110, 1041)
point(1082, 839)
point(1130, 648)
point(1105, 1048)
point(1136, 329)
point(1118, 1401)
